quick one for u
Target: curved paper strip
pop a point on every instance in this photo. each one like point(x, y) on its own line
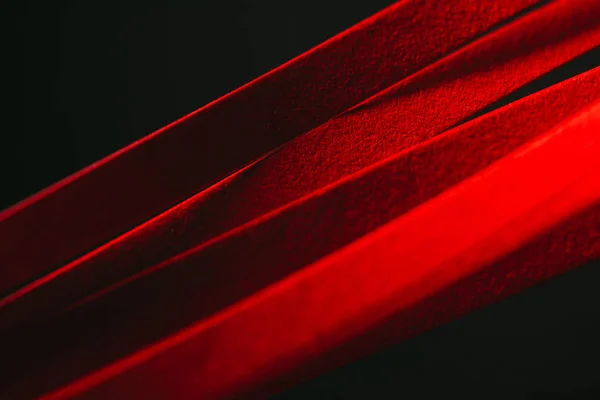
point(223, 271)
point(146, 178)
point(408, 113)
point(388, 271)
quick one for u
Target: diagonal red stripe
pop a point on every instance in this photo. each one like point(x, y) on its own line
point(408, 113)
point(221, 272)
point(155, 173)
point(349, 291)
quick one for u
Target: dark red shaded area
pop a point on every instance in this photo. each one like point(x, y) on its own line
point(157, 172)
point(221, 272)
point(452, 89)
point(314, 311)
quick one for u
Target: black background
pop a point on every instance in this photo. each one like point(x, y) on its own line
point(93, 76)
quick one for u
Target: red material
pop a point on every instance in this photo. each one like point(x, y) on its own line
point(313, 311)
point(146, 178)
point(376, 222)
point(214, 275)
point(383, 125)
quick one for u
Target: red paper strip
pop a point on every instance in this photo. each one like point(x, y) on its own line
point(146, 178)
point(388, 271)
point(408, 113)
point(259, 253)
